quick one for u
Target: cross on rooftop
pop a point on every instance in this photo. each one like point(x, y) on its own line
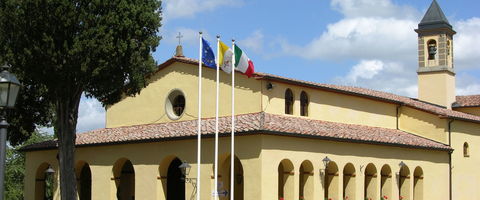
point(179, 36)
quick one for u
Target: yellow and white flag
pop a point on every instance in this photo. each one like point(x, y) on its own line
point(225, 57)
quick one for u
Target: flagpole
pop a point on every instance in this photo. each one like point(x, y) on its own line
point(216, 120)
point(199, 125)
point(232, 150)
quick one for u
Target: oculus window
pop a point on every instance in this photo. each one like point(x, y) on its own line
point(175, 104)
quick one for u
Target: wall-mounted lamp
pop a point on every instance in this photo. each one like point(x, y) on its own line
point(270, 86)
point(185, 168)
point(49, 170)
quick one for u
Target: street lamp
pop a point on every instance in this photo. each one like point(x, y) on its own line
point(401, 164)
point(325, 161)
point(9, 87)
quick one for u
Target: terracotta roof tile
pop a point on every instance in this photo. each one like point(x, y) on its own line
point(383, 96)
point(255, 123)
point(467, 101)
point(356, 91)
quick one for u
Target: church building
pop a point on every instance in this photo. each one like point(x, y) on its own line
point(294, 139)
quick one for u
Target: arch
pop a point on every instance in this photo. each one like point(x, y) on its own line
point(285, 179)
point(370, 184)
point(163, 174)
point(404, 183)
point(306, 180)
point(304, 103)
point(288, 101)
point(349, 178)
point(466, 150)
point(44, 183)
point(175, 181)
point(225, 178)
point(386, 182)
point(432, 49)
point(84, 180)
point(124, 175)
point(331, 181)
point(418, 184)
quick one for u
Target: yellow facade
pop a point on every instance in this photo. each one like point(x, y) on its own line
point(149, 106)
point(437, 88)
point(430, 151)
point(261, 155)
point(260, 162)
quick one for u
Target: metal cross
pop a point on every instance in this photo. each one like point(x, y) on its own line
point(179, 36)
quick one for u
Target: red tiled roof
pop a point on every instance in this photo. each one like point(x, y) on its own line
point(382, 96)
point(467, 101)
point(254, 123)
point(356, 91)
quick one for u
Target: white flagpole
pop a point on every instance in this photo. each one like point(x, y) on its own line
point(232, 150)
point(216, 119)
point(199, 125)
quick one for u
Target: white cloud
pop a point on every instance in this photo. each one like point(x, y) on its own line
point(91, 115)
point(379, 36)
point(253, 42)
point(366, 69)
point(373, 8)
point(466, 41)
point(394, 77)
point(189, 8)
point(467, 84)
point(361, 38)
point(469, 89)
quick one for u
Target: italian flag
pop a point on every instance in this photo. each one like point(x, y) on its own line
point(243, 63)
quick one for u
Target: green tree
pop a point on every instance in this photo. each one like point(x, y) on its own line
point(67, 48)
point(15, 166)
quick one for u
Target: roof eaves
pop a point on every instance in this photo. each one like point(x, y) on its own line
point(269, 77)
point(249, 132)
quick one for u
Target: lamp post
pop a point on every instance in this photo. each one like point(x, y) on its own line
point(9, 87)
point(325, 161)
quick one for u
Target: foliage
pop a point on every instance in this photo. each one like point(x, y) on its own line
point(61, 49)
point(15, 166)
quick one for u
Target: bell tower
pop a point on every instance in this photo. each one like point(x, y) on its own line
point(436, 75)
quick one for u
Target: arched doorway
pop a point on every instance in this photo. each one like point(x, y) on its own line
point(306, 181)
point(226, 179)
point(386, 183)
point(44, 183)
point(418, 184)
point(285, 180)
point(404, 183)
point(370, 186)
point(175, 181)
point(331, 181)
point(349, 178)
point(84, 181)
point(124, 179)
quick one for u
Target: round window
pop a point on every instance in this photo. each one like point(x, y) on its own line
point(175, 104)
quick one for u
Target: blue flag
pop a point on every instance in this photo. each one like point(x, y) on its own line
point(208, 58)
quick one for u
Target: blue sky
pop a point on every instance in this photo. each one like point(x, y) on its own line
point(365, 43)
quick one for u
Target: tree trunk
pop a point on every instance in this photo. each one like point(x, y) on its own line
point(65, 128)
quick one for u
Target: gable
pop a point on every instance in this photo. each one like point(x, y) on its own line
point(150, 106)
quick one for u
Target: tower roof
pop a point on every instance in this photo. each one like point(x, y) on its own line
point(434, 18)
